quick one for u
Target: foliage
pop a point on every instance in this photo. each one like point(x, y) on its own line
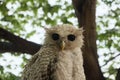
point(7, 75)
point(17, 16)
point(108, 27)
point(34, 13)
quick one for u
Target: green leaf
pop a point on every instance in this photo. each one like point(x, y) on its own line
point(30, 34)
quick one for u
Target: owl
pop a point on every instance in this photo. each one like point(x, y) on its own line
point(60, 57)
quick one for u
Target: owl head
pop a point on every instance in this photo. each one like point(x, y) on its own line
point(64, 37)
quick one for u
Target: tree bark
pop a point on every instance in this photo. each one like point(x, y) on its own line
point(118, 75)
point(85, 12)
point(16, 44)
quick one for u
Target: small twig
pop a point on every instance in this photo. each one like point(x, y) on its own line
point(110, 59)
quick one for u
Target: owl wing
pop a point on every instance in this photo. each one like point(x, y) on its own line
point(41, 66)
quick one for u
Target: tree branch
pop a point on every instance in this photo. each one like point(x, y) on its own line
point(112, 58)
point(16, 43)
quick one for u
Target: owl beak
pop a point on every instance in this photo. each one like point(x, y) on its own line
point(62, 45)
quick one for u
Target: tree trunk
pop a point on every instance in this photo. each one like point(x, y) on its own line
point(85, 12)
point(118, 75)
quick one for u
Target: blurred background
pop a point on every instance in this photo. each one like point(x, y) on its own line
point(26, 18)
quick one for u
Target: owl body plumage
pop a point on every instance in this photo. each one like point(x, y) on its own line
point(53, 62)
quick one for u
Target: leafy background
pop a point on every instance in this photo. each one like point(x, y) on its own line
point(26, 18)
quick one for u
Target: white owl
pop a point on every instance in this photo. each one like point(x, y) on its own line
point(60, 57)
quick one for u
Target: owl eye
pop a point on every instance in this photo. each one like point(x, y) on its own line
point(71, 37)
point(55, 36)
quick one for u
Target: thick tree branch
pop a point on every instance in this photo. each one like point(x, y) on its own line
point(16, 44)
